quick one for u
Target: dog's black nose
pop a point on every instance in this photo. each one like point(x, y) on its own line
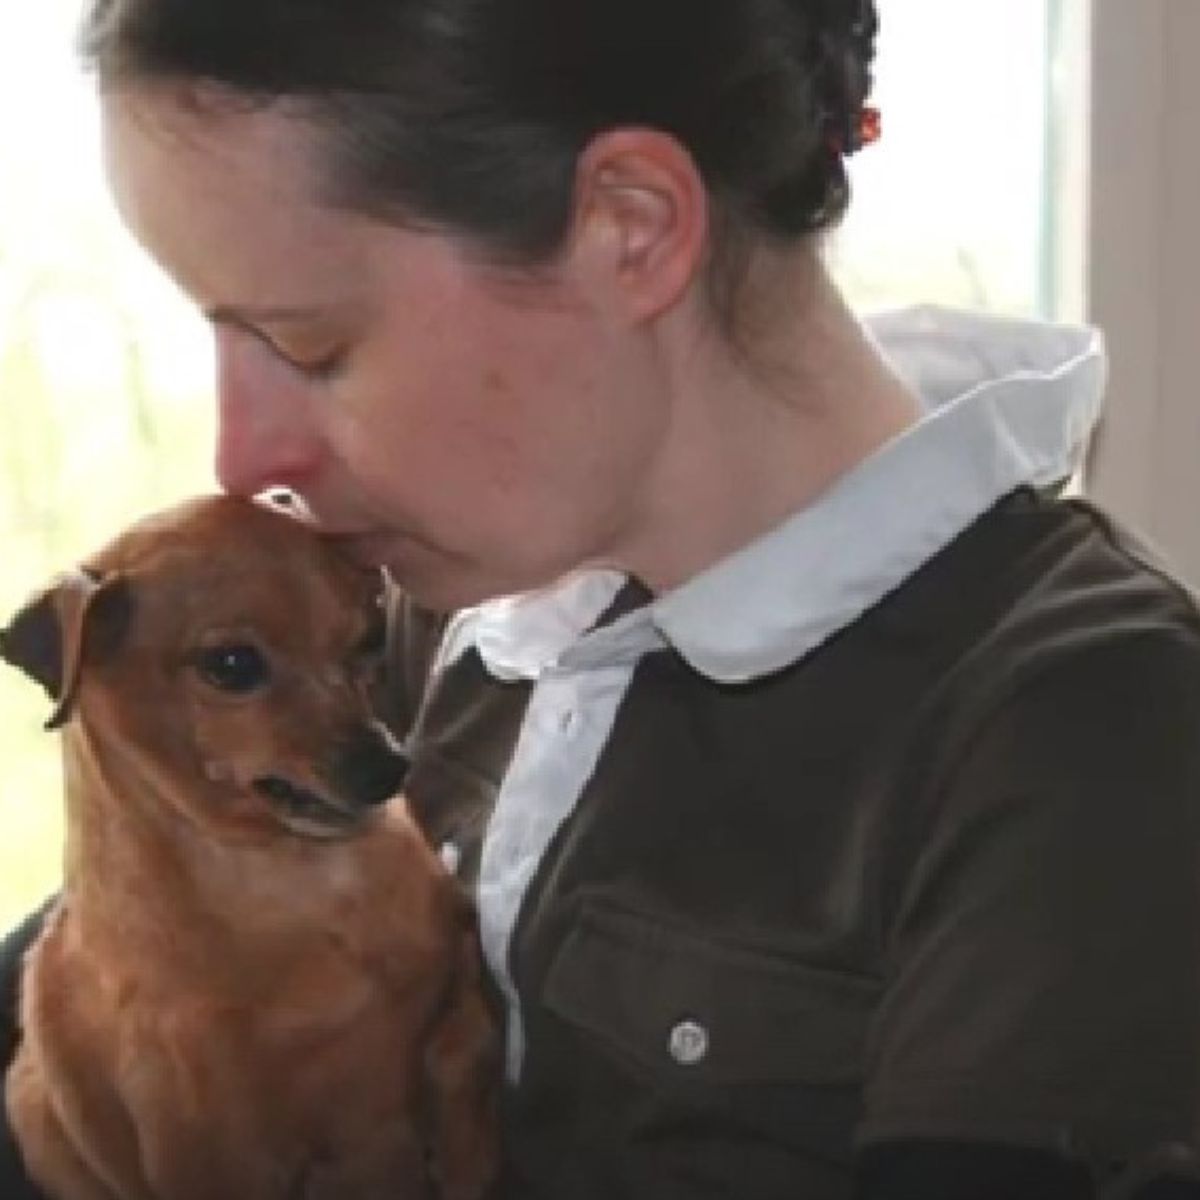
point(368, 769)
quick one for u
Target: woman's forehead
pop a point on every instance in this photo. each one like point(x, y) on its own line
point(225, 200)
point(217, 143)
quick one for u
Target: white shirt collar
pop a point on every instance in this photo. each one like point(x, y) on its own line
point(519, 637)
point(1007, 403)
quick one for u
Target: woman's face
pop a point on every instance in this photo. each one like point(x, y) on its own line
point(476, 434)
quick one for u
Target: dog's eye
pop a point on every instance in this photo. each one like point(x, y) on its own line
point(234, 668)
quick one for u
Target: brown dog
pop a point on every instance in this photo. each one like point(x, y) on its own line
point(259, 983)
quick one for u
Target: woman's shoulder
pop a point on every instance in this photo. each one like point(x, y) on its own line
point(1063, 647)
point(1042, 584)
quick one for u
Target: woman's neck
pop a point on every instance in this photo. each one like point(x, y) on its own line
point(760, 426)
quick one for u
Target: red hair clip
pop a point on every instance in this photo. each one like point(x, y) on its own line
point(866, 130)
point(870, 128)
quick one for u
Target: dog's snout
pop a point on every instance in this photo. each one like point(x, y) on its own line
point(369, 768)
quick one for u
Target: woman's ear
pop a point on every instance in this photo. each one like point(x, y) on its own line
point(641, 224)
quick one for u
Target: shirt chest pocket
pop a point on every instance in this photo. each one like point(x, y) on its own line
point(694, 1010)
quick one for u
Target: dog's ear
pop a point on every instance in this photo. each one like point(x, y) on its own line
point(79, 612)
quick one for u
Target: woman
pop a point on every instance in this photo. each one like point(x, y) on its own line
point(827, 782)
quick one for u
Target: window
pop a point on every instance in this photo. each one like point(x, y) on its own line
point(974, 196)
point(104, 372)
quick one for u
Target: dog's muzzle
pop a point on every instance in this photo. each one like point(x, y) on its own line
point(368, 768)
point(299, 803)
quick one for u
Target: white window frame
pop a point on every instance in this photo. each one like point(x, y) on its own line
point(1143, 267)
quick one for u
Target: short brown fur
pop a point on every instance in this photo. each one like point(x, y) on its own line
point(232, 1000)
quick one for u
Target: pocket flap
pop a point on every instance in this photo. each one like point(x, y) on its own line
point(677, 1002)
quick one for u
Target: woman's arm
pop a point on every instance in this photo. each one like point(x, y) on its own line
point(1043, 1016)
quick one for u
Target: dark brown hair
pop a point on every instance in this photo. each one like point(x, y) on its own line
point(470, 115)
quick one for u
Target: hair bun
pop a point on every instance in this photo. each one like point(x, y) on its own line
point(846, 35)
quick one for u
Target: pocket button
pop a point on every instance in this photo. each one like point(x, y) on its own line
point(688, 1043)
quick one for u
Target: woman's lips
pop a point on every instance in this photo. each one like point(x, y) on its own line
point(365, 547)
point(328, 523)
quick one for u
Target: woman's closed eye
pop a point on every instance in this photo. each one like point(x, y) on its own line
point(314, 354)
point(321, 367)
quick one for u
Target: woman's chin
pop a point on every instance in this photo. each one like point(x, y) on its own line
point(434, 579)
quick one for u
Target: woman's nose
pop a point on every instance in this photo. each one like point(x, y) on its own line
point(265, 432)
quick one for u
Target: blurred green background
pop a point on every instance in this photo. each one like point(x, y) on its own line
point(104, 375)
point(80, 458)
